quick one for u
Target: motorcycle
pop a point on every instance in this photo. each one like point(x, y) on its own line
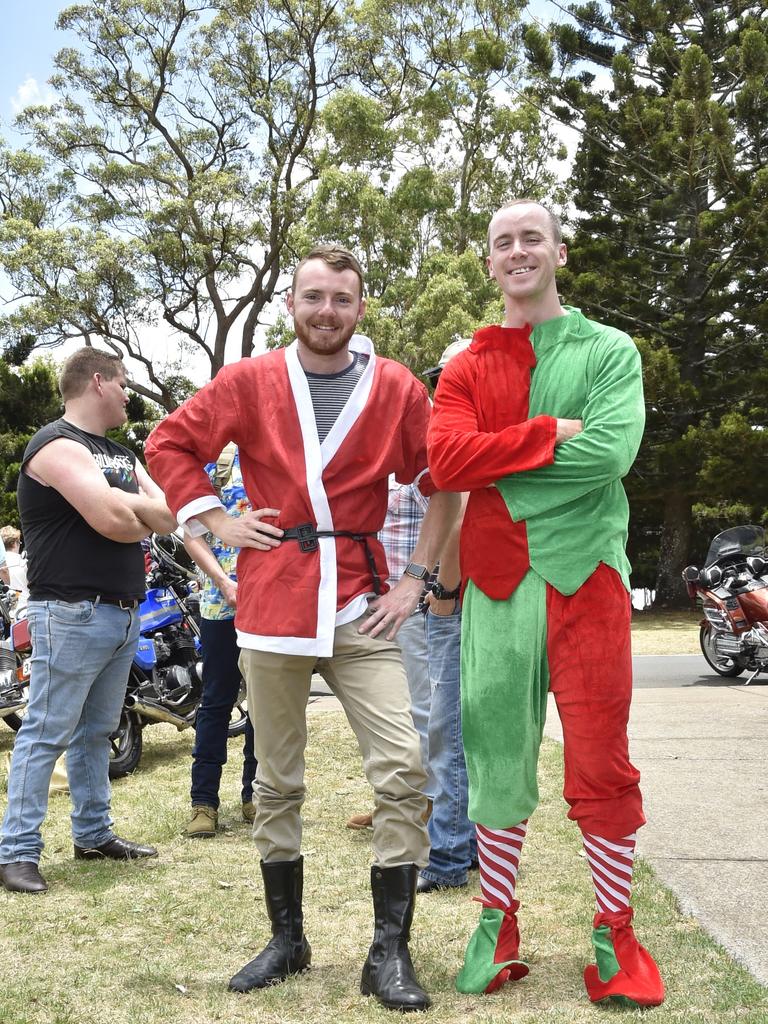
point(165, 680)
point(14, 673)
point(733, 589)
point(165, 683)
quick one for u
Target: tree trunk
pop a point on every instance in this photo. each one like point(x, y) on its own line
point(675, 549)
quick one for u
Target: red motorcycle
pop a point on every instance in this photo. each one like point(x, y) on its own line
point(14, 663)
point(733, 590)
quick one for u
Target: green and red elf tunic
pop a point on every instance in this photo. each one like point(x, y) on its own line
point(561, 511)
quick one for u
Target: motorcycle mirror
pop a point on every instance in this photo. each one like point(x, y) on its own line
point(756, 565)
point(691, 578)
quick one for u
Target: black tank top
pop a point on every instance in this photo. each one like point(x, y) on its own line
point(67, 559)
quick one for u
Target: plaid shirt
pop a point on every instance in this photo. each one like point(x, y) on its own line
point(406, 506)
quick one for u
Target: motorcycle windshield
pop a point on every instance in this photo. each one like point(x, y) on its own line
point(739, 541)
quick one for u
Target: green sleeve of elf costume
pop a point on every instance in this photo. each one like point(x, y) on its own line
point(613, 414)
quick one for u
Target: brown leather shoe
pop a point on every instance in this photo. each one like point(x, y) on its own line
point(115, 849)
point(22, 876)
point(360, 822)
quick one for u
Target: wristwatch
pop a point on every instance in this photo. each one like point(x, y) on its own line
point(441, 594)
point(418, 572)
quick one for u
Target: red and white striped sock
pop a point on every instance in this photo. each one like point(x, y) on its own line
point(610, 861)
point(498, 856)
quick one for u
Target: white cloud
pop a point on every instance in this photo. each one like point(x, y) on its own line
point(29, 93)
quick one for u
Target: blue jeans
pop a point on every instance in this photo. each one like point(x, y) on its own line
point(82, 653)
point(221, 685)
point(412, 640)
point(451, 834)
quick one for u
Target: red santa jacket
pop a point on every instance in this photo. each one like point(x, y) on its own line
point(290, 601)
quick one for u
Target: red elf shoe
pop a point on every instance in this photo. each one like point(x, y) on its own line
point(625, 970)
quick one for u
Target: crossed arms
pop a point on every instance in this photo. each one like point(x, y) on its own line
point(69, 468)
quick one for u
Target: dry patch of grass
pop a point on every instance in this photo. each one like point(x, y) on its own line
point(662, 632)
point(156, 942)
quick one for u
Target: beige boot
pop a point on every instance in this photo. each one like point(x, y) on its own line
point(249, 812)
point(203, 823)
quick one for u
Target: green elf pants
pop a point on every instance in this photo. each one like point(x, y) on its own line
point(512, 653)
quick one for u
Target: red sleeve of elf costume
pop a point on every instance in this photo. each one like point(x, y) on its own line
point(476, 438)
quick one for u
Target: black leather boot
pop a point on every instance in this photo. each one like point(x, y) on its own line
point(288, 951)
point(388, 973)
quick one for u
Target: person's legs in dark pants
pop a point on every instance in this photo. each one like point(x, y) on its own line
point(221, 687)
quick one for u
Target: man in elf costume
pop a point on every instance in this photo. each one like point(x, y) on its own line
point(320, 426)
point(540, 419)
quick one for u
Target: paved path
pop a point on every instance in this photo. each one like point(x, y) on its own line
point(701, 743)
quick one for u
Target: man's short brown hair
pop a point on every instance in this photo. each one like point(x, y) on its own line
point(336, 257)
point(10, 536)
point(554, 221)
point(81, 366)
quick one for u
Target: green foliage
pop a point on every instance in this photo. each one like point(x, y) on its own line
point(29, 397)
point(465, 144)
point(669, 243)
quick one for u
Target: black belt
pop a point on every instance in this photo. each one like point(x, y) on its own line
point(307, 534)
point(126, 603)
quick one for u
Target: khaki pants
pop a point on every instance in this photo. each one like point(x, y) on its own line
point(368, 678)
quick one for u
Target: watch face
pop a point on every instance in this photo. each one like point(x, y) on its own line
point(419, 572)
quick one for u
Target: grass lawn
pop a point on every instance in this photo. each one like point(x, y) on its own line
point(666, 632)
point(156, 942)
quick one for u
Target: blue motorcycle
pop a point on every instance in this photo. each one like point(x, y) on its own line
point(165, 682)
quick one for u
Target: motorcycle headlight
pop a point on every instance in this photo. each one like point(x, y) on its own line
point(711, 577)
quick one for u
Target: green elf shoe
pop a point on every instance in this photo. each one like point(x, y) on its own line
point(625, 971)
point(491, 958)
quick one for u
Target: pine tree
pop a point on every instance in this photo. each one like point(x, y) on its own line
point(671, 192)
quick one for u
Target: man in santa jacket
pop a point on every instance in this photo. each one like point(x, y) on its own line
point(539, 419)
point(320, 425)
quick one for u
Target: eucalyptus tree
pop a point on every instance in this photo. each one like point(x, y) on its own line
point(197, 146)
point(186, 130)
point(416, 196)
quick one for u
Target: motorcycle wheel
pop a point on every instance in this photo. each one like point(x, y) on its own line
point(239, 715)
point(723, 666)
point(127, 742)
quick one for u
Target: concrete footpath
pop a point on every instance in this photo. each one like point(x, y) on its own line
point(703, 754)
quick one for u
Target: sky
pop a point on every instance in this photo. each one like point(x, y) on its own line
point(27, 46)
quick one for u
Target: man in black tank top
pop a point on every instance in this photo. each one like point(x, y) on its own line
point(85, 503)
